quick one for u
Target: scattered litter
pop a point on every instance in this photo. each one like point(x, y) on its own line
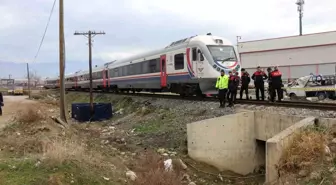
point(105, 178)
point(168, 164)
point(131, 175)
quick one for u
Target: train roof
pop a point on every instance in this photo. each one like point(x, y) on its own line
point(172, 46)
point(94, 69)
point(52, 78)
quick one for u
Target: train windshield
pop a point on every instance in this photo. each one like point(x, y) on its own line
point(223, 53)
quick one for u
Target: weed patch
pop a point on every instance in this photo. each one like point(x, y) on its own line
point(150, 171)
point(307, 148)
point(29, 115)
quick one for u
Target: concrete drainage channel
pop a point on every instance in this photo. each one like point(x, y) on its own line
point(245, 141)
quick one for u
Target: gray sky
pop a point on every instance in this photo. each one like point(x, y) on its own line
point(134, 26)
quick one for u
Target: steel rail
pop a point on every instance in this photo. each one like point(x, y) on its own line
point(289, 104)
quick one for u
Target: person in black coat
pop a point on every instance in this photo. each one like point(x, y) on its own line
point(270, 90)
point(276, 79)
point(245, 81)
point(233, 86)
point(259, 76)
point(1, 103)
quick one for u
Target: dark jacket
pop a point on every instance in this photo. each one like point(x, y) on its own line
point(1, 97)
point(270, 78)
point(276, 79)
point(233, 82)
point(245, 79)
point(259, 77)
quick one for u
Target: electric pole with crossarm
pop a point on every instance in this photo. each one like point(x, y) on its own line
point(90, 35)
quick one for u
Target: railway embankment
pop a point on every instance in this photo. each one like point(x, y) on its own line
point(131, 148)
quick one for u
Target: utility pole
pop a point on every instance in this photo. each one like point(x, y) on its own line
point(28, 80)
point(300, 4)
point(90, 35)
point(238, 38)
point(62, 61)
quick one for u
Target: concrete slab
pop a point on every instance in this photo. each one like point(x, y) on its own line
point(226, 142)
point(268, 125)
point(276, 145)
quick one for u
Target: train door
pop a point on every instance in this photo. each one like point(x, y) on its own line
point(163, 70)
point(197, 61)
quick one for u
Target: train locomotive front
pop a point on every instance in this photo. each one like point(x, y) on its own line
point(213, 54)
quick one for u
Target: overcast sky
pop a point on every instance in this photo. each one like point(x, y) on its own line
point(134, 26)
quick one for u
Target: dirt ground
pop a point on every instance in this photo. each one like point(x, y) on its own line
point(12, 105)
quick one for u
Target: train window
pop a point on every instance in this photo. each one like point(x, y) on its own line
point(145, 67)
point(111, 73)
point(116, 72)
point(179, 61)
point(124, 71)
point(153, 66)
point(137, 68)
point(201, 55)
point(157, 65)
point(194, 54)
point(131, 69)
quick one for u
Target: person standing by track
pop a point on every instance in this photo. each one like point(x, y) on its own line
point(233, 86)
point(276, 84)
point(270, 90)
point(228, 94)
point(1, 103)
point(222, 86)
point(259, 76)
point(245, 81)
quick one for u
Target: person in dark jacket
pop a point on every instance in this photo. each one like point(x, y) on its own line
point(270, 90)
point(259, 77)
point(233, 86)
point(1, 103)
point(229, 92)
point(245, 81)
point(276, 84)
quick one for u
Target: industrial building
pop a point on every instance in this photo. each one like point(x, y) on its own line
point(295, 56)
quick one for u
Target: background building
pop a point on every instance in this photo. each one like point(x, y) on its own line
point(295, 56)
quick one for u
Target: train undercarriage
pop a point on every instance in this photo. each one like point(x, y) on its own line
point(184, 90)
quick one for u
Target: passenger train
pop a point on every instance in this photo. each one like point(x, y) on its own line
point(187, 67)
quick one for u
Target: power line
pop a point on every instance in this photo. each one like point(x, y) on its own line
point(45, 31)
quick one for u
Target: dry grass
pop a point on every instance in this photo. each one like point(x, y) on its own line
point(51, 102)
point(29, 115)
point(150, 171)
point(59, 151)
point(307, 148)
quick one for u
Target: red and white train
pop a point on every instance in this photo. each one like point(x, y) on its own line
point(187, 67)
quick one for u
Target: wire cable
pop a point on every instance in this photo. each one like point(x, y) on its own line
point(45, 31)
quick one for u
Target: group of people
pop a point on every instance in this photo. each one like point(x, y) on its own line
point(228, 85)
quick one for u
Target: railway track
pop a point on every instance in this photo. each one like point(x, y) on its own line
point(289, 104)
